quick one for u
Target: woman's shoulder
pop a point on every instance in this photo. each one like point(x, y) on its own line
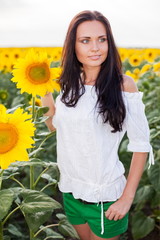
point(129, 84)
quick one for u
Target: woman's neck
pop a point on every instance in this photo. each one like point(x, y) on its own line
point(89, 76)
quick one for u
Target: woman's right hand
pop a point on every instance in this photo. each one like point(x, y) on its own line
point(48, 101)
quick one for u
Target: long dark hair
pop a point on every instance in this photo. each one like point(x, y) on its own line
point(109, 81)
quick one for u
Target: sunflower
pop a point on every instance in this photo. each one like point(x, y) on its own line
point(2, 109)
point(56, 54)
point(3, 94)
point(16, 133)
point(150, 55)
point(156, 68)
point(6, 64)
point(34, 75)
point(136, 73)
point(123, 54)
point(145, 68)
point(135, 60)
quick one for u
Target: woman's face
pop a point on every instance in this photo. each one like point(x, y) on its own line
point(91, 44)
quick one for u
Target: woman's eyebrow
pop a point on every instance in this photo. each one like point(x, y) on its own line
point(90, 37)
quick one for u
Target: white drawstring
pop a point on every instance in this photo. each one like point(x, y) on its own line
point(151, 158)
point(98, 195)
point(102, 217)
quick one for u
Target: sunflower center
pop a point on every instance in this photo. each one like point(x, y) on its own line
point(38, 73)
point(8, 137)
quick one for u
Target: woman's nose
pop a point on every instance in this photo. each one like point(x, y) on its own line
point(95, 46)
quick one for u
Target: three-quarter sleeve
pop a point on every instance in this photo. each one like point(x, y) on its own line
point(137, 125)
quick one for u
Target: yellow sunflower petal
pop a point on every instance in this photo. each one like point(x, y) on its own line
point(16, 133)
point(34, 75)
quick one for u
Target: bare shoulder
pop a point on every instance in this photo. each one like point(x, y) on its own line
point(128, 84)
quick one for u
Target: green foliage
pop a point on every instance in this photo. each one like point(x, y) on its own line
point(6, 199)
point(145, 212)
point(141, 225)
point(65, 227)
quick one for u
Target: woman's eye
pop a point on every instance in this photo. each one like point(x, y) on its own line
point(102, 39)
point(85, 41)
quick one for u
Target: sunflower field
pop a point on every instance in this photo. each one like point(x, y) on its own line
point(31, 205)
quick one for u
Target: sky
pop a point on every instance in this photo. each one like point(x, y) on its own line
point(44, 23)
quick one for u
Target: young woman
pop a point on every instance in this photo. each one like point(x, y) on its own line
point(97, 105)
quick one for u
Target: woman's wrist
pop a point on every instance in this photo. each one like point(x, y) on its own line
point(128, 197)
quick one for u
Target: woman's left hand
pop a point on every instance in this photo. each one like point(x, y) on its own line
point(118, 209)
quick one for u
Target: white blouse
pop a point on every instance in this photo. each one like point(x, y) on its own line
point(87, 150)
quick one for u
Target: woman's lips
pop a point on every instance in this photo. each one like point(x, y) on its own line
point(94, 57)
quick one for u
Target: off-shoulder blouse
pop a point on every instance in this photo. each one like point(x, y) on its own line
point(87, 150)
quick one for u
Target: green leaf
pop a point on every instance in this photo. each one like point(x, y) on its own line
point(46, 134)
point(67, 229)
point(32, 162)
point(14, 230)
point(141, 225)
point(37, 208)
point(6, 237)
point(48, 178)
point(61, 216)
point(35, 152)
point(55, 64)
point(156, 212)
point(10, 172)
point(35, 220)
point(52, 174)
point(144, 194)
point(14, 108)
point(51, 234)
point(154, 176)
point(41, 120)
point(54, 237)
point(35, 201)
point(6, 199)
point(155, 200)
point(41, 111)
point(17, 191)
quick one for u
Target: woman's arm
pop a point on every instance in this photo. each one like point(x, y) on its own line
point(48, 101)
point(119, 209)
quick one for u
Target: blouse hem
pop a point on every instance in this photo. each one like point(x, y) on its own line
point(92, 192)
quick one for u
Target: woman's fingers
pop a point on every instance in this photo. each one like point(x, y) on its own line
point(117, 210)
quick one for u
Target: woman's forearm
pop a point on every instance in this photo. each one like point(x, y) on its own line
point(120, 208)
point(48, 101)
point(135, 172)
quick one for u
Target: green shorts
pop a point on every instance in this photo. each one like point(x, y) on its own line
point(78, 212)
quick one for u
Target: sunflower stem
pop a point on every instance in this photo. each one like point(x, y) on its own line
point(33, 109)
point(1, 231)
point(14, 179)
point(48, 226)
point(43, 141)
point(31, 235)
point(32, 186)
point(32, 167)
point(1, 178)
point(8, 216)
point(39, 177)
point(48, 185)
